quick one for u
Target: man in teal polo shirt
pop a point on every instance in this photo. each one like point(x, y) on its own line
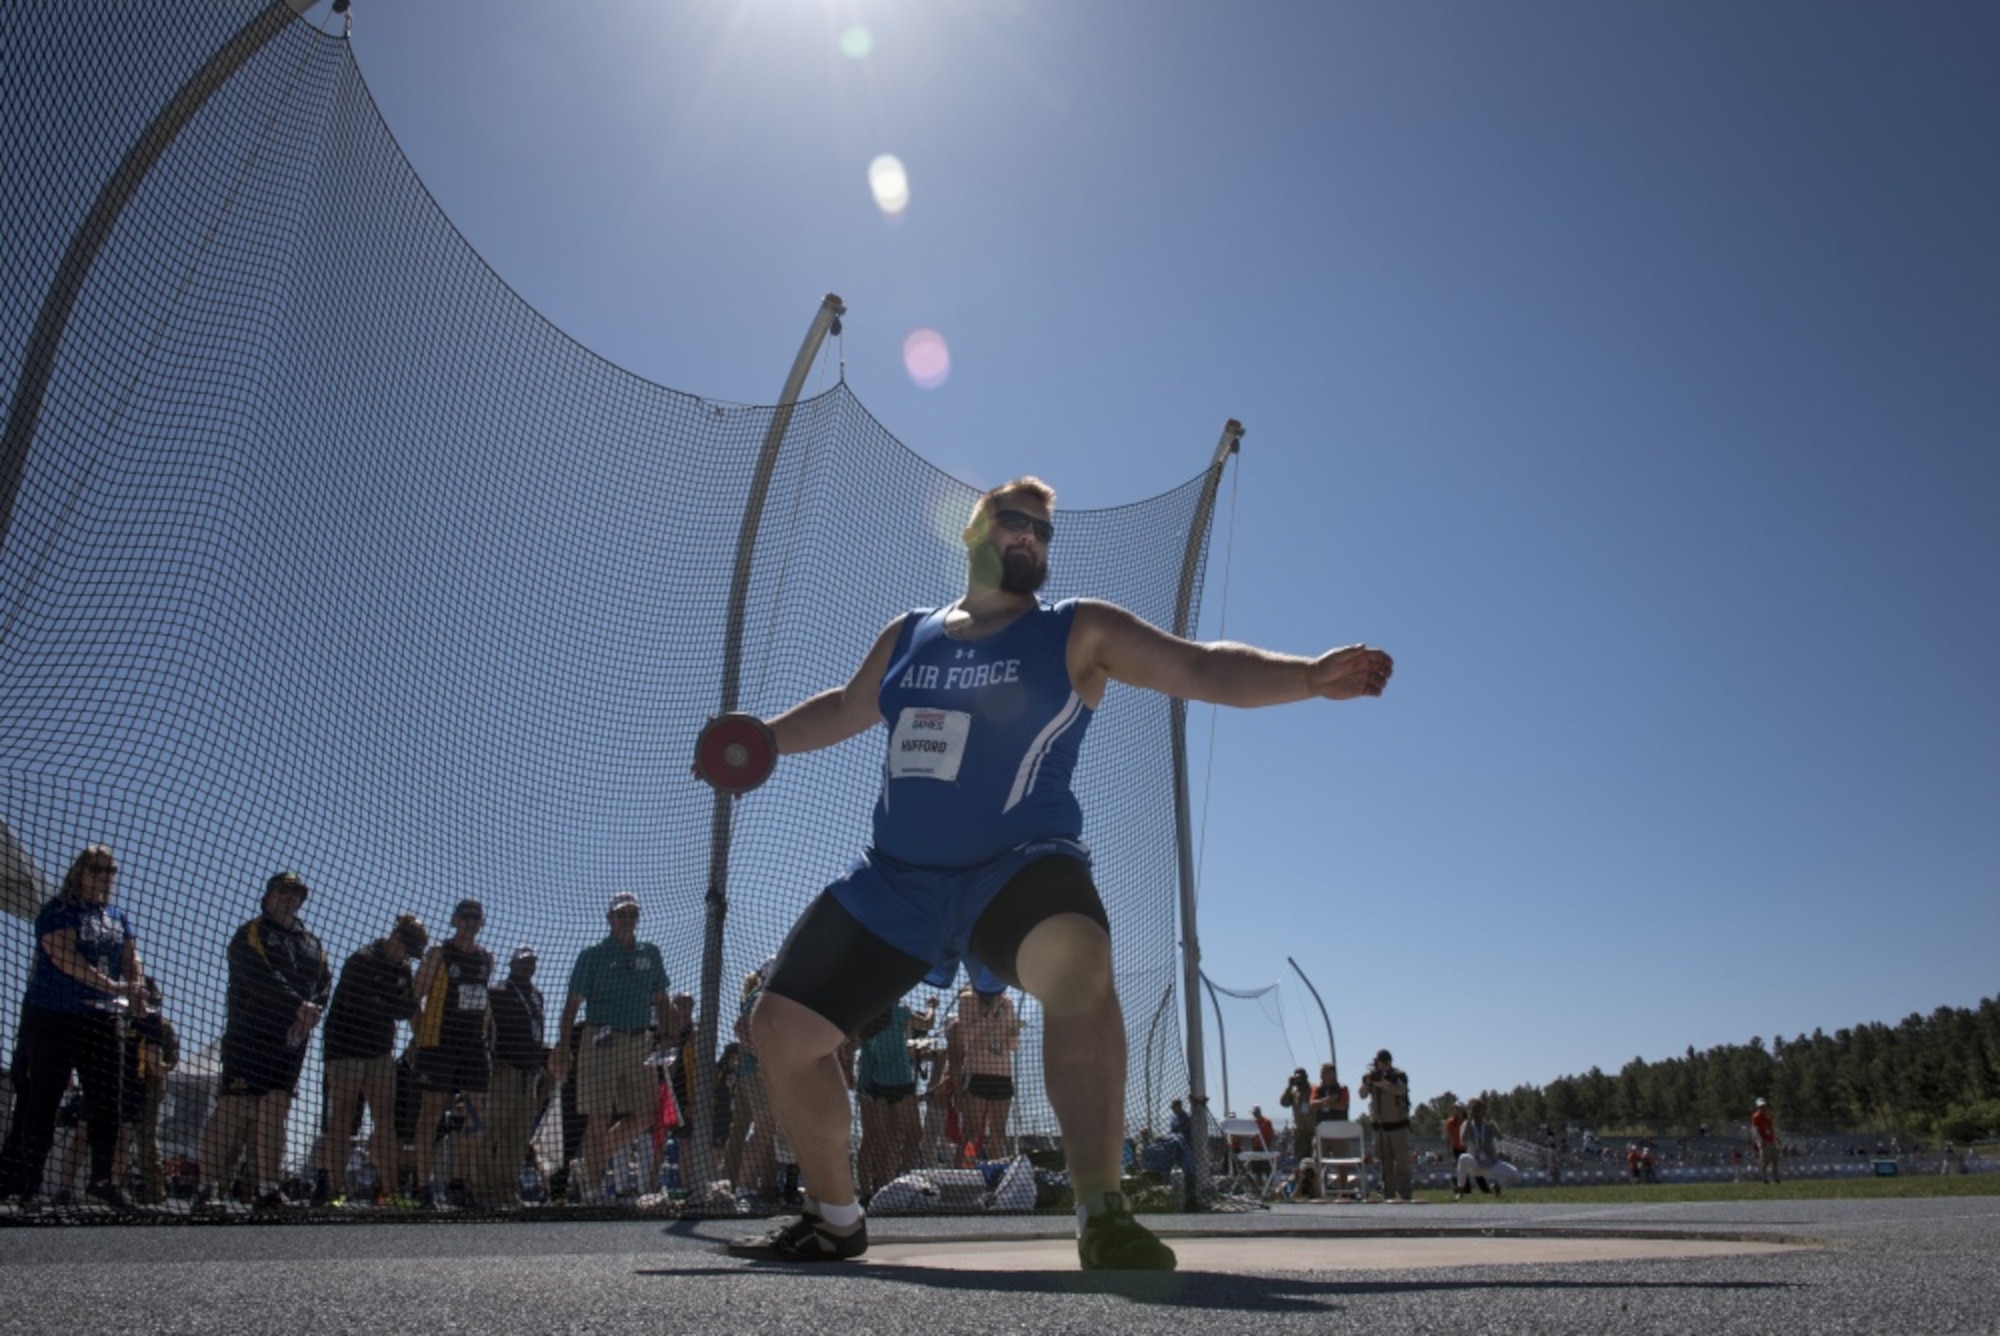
point(620, 985)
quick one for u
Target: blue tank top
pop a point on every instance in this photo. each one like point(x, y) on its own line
point(983, 737)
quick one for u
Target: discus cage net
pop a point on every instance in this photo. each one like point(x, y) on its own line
point(322, 550)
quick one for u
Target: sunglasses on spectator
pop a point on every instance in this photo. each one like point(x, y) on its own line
point(1017, 521)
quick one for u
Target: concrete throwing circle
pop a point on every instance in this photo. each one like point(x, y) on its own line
point(1251, 1255)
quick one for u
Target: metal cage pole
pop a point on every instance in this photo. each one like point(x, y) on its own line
point(717, 903)
point(1221, 1044)
point(1231, 442)
point(1325, 1019)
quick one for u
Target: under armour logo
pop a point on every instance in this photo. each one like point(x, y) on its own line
point(963, 653)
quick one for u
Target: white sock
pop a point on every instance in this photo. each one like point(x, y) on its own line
point(840, 1217)
point(1092, 1203)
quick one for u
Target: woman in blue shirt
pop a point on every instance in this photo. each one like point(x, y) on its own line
point(85, 979)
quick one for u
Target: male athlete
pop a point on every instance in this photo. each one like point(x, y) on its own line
point(976, 857)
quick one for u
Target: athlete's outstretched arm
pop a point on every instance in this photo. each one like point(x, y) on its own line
point(839, 713)
point(1109, 643)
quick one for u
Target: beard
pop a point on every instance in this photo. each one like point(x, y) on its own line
point(1022, 572)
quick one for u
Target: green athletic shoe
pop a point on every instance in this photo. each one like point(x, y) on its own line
point(1115, 1241)
point(807, 1239)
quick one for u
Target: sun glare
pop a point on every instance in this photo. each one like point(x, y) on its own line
point(926, 358)
point(890, 185)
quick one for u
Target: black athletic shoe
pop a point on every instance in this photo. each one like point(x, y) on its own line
point(274, 1200)
point(807, 1239)
point(107, 1193)
point(1115, 1241)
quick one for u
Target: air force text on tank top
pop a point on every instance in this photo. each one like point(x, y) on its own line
point(983, 737)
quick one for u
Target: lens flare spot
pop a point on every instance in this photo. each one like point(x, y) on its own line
point(926, 358)
point(856, 42)
point(890, 185)
point(945, 522)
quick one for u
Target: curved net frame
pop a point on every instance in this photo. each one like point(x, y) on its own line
point(324, 551)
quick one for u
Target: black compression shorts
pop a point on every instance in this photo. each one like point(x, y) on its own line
point(834, 966)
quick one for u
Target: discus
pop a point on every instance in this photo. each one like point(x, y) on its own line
point(735, 753)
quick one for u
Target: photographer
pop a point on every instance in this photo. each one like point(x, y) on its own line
point(1305, 1121)
point(1387, 1091)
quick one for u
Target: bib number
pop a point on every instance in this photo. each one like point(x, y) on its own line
point(928, 744)
point(472, 997)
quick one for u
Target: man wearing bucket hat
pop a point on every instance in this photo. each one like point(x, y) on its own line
point(279, 984)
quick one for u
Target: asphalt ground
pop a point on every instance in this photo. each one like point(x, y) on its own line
point(1899, 1265)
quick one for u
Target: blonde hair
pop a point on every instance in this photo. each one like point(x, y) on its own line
point(74, 877)
point(1026, 485)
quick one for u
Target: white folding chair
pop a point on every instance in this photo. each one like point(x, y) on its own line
point(1253, 1169)
point(1340, 1151)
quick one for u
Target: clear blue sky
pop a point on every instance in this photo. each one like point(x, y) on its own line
point(1628, 371)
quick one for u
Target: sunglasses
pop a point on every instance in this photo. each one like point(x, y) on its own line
point(1017, 521)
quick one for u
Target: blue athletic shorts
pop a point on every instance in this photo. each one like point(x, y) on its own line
point(930, 912)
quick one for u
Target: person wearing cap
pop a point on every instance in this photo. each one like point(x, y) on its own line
point(279, 984)
point(520, 1061)
point(358, 1048)
point(451, 1043)
point(85, 976)
point(620, 987)
point(1387, 1091)
point(1764, 1136)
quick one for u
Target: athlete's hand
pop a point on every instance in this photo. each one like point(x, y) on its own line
point(1351, 671)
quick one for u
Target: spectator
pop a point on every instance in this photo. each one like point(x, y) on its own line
point(278, 986)
point(85, 975)
point(453, 1055)
point(891, 1132)
point(1764, 1136)
point(563, 1076)
point(619, 985)
point(1387, 1091)
point(1267, 1135)
point(749, 1159)
point(358, 1050)
point(520, 1076)
point(152, 1049)
point(986, 1032)
point(681, 1041)
point(1298, 1097)
point(1331, 1103)
point(1179, 1140)
point(1454, 1137)
point(1481, 1157)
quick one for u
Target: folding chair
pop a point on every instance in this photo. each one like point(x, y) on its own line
point(1253, 1169)
point(1340, 1150)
